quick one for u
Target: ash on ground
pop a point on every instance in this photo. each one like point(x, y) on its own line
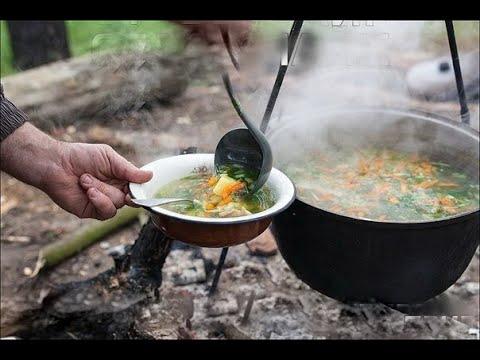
point(283, 306)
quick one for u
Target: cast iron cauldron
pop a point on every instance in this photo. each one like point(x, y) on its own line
point(360, 260)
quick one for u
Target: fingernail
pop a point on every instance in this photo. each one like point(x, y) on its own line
point(87, 179)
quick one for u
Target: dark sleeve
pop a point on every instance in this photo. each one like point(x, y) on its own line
point(11, 117)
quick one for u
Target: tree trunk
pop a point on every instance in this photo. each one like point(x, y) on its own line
point(36, 43)
point(97, 86)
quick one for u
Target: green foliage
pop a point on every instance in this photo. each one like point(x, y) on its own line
point(92, 36)
point(96, 36)
point(6, 56)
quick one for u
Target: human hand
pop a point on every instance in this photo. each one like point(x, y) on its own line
point(87, 180)
point(92, 181)
point(210, 31)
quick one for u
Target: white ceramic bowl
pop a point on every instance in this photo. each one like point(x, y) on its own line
point(209, 232)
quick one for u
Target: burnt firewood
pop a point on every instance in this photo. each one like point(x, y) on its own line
point(104, 306)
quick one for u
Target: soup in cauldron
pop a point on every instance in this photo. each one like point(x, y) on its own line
point(384, 185)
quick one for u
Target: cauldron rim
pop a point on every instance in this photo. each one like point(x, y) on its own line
point(390, 110)
point(393, 224)
point(458, 126)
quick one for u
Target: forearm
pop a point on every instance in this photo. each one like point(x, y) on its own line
point(30, 155)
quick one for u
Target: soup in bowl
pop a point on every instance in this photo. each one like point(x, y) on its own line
point(223, 212)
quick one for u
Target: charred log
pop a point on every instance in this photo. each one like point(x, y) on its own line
point(105, 306)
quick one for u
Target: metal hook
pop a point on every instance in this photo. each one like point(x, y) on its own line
point(464, 113)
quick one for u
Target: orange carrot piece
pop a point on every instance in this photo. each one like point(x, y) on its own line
point(446, 201)
point(226, 200)
point(210, 206)
point(212, 181)
point(231, 189)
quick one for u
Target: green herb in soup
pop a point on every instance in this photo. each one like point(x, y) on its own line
point(239, 172)
point(381, 184)
point(217, 195)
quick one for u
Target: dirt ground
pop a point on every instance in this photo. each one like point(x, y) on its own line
point(284, 307)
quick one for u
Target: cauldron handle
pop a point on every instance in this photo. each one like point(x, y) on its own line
point(464, 113)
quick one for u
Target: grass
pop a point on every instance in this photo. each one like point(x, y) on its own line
point(94, 36)
point(91, 36)
point(6, 57)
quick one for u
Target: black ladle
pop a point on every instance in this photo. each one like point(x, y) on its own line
point(246, 147)
point(292, 41)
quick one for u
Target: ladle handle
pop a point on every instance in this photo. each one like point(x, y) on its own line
point(464, 113)
point(228, 45)
point(246, 120)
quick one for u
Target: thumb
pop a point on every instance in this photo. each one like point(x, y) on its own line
point(133, 174)
point(122, 169)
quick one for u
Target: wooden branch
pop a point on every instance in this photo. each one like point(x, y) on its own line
point(59, 251)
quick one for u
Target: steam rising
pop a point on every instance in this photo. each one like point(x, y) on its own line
point(351, 64)
point(342, 65)
point(345, 67)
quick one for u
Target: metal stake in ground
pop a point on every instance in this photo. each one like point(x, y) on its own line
point(218, 271)
point(248, 308)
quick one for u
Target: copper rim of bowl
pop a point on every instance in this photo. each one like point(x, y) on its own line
point(174, 167)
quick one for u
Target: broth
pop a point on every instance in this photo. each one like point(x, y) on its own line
point(381, 184)
point(224, 194)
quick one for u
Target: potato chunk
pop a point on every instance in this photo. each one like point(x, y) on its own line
point(222, 184)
